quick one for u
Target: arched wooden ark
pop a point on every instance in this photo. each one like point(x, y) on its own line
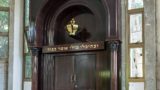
point(75, 45)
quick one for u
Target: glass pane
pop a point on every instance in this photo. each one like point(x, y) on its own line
point(26, 50)
point(27, 12)
point(28, 70)
point(3, 47)
point(3, 21)
point(4, 3)
point(136, 62)
point(3, 76)
point(136, 86)
point(135, 28)
point(134, 4)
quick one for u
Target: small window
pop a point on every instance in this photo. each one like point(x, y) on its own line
point(4, 42)
point(136, 86)
point(136, 62)
point(28, 70)
point(27, 54)
point(4, 17)
point(135, 45)
point(135, 28)
point(4, 46)
point(4, 3)
point(4, 29)
point(135, 4)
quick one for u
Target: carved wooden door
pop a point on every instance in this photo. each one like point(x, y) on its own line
point(64, 69)
point(75, 72)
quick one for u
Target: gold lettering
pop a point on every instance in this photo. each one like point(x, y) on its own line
point(74, 47)
point(65, 48)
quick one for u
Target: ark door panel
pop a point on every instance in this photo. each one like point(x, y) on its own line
point(103, 68)
point(46, 73)
point(85, 69)
point(64, 69)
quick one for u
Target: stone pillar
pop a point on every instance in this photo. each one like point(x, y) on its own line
point(150, 44)
point(158, 43)
point(123, 44)
point(15, 63)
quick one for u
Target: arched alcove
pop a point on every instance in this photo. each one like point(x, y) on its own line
point(77, 45)
point(91, 26)
point(93, 16)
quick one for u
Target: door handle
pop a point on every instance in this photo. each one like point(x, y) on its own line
point(75, 78)
point(72, 78)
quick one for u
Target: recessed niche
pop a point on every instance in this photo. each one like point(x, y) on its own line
point(90, 26)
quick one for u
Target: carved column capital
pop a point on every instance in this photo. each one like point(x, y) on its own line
point(35, 51)
point(113, 44)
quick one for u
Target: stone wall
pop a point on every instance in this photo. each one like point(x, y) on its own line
point(151, 45)
point(15, 63)
point(158, 42)
point(123, 28)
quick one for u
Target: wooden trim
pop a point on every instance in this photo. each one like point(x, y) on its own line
point(4, 9)
point(3, 33)
point(134, 11)
point(3, 60)
point(114, 51)
point(136, 80)
point(35, 68)
point(89, 46)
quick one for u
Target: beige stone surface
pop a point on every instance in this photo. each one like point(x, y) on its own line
point(150, 44)
point(158, 43)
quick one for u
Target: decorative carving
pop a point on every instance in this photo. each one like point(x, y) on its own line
point(101, 22)
point(72, 27)
point(114, 45)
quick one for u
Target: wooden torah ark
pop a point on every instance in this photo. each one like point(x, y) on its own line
point(75, 44)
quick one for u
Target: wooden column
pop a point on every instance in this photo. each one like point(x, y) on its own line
point(35, 67)
point(114, 54)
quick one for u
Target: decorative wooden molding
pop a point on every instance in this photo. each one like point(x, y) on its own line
point(35, 68)
point(88, 46)
point(46, 19)
point(113, 47)
point(55, 11)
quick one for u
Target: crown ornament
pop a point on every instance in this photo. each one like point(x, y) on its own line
point(72, 27)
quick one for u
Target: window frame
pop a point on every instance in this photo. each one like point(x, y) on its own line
point(5, 60)
point(130, 45)
point(25, 78)
point(5, 34)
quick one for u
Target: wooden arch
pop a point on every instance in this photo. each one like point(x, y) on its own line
point(48, 14)
point(103, 19)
